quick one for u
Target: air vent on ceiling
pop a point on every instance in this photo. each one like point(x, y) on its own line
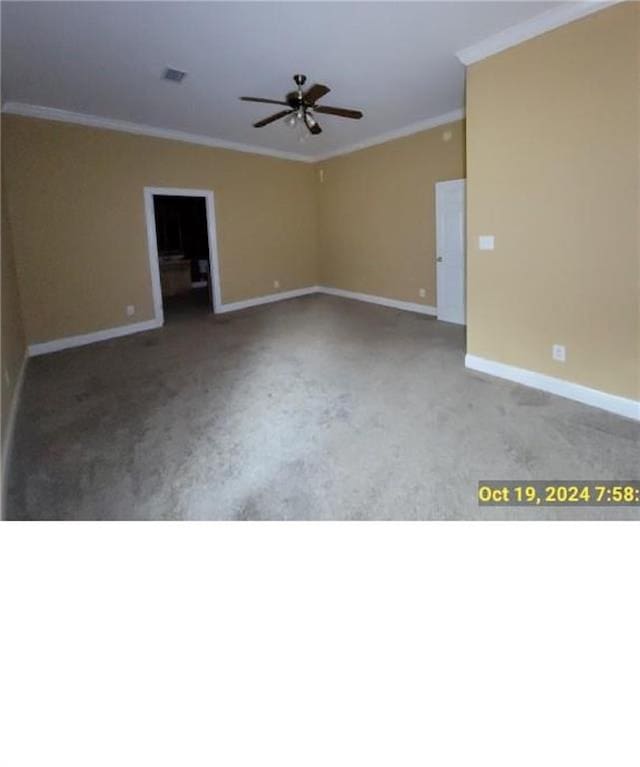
point(175, 75)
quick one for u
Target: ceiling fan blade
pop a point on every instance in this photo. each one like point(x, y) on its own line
point(263, 101)
point(272, 119)
point(316, 92)
point(315, 128)
point(353, 114)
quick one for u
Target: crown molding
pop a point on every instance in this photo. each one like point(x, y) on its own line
point(93, 121)
point(408, 130)
point(538, 25)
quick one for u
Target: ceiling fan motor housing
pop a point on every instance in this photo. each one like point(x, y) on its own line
point(295, 97)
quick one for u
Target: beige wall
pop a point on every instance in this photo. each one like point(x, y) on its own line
point(13, 340)
point(377, 224)
point(553, 143)
point(77, 214)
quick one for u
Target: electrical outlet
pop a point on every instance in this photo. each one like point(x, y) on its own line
point(131, 310)
point(559, 353)
point(422, 292)
point(486, 242)
point(276, 283)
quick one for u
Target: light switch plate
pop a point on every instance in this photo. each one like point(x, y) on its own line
point(486, 242)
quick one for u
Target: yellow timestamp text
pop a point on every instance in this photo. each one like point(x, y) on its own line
point(556, 493)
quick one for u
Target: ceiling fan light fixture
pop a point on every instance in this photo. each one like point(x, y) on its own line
point(300, 105)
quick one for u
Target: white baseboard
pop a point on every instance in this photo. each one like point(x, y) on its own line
point(381, 300)
point(69, 342)
point(406, 306)
point(235, 306)
point(628, 408)
point(7, 444)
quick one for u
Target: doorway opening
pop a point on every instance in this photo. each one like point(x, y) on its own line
point(182, 252)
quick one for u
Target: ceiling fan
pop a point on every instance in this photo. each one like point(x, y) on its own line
point(301, 105)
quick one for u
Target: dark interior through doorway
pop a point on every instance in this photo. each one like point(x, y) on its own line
point(183, 252)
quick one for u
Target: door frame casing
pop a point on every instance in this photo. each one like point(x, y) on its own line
point(441, 186)
point(154, 263)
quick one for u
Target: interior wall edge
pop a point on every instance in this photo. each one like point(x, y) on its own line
point(392, 303)
point(69, 342)
point(7, 443)
point(534, 27)
point(612, 403)
point(106, 334)
point(269, 298)
point(384, 138)
point(39, 112)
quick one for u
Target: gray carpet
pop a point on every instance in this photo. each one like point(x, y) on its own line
point(315, 408)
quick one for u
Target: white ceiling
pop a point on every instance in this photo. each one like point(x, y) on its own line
point(395, 61)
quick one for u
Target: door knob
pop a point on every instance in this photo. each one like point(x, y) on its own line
point(439, 258)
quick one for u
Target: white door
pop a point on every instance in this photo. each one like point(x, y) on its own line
point(450, 250)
